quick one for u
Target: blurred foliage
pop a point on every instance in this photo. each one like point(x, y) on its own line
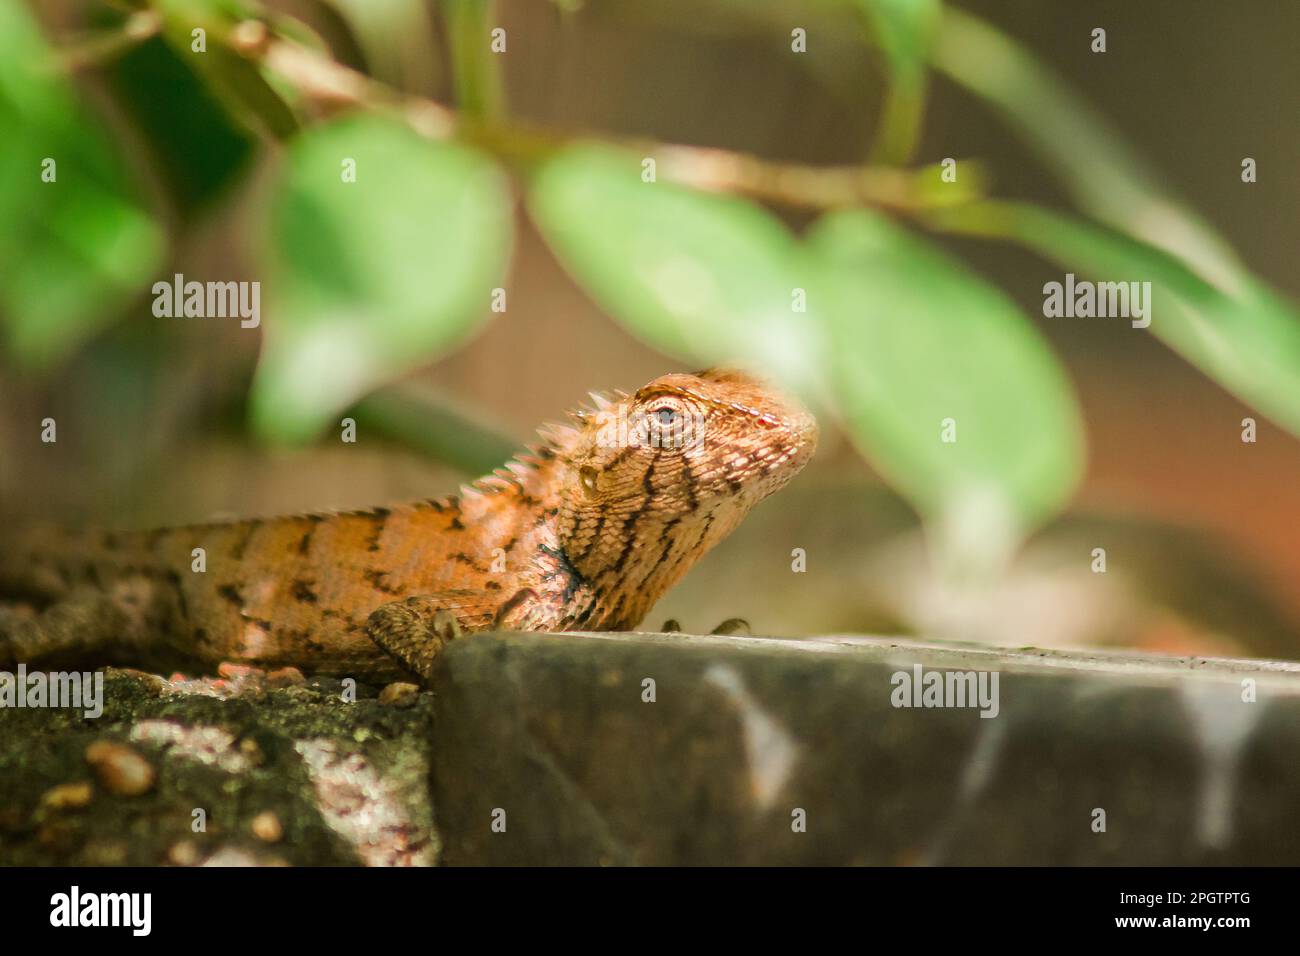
point(1248, 342)
point(1019, 440)
point(698, 276)
point(905, 30)
point(196, 150)
point(370, 279)
point(76, 239)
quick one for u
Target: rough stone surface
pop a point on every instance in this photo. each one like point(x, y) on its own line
point(744, 732)
point(553, 739)
point(344, 783)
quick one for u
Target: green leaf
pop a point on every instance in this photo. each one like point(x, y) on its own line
point(370, 279)
point(1248, 342)
point(71, 250)
point(698, 276)
point(916, 339)
point(1105, 176)
point(1209, 307)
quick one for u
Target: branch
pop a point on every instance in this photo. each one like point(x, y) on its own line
point(332, 86)
point(96, 49)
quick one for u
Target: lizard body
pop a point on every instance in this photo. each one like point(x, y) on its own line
point(584, 532)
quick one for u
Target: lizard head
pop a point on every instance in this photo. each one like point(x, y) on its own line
point(655, 479)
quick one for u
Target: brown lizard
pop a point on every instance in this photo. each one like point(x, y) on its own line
point(583, 532)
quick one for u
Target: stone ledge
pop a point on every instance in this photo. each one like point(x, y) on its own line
point(553, 730)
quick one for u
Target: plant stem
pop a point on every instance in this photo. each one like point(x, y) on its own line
point(422, 420)
point(475, 68)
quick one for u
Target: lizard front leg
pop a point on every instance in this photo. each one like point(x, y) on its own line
point(414, 631)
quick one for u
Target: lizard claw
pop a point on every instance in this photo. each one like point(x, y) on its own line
point(732, 625)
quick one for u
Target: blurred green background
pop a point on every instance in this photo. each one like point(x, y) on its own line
point(799, 220)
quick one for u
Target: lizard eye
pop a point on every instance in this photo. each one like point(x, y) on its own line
point(666, 423)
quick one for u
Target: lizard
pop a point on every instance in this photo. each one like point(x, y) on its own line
point(584, 530)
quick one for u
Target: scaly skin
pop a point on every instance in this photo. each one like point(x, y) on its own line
point(585, 532)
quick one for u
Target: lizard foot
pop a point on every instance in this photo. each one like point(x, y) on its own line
point(414, 631)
